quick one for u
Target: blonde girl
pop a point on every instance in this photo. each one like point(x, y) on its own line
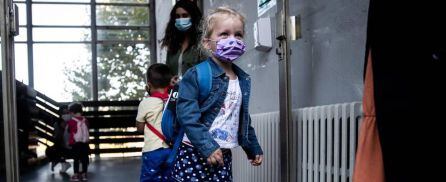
point(220, 122)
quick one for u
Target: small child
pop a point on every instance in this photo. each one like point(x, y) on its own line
point(66, 116)
point(221, 122)
point(78, 140)
point(148, 120)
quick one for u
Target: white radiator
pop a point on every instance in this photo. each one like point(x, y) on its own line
point(325, 136)
point(266, 126)
point(329, 137)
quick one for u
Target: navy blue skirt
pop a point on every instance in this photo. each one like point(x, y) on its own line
point(190, 166)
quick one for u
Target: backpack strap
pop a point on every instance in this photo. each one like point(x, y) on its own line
point(77, 120)
point(175, 148)
point(204, 77)
point(156, 132)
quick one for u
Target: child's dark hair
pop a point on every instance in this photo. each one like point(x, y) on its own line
point(159, 75)
point(75, 107)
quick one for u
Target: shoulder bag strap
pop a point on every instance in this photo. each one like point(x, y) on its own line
point(156, 132)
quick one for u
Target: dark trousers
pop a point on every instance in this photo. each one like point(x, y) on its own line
point(153, 168)
point(80, 153)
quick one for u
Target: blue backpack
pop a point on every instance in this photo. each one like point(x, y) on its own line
point(172, 132)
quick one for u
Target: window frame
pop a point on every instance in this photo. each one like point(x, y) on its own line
point(94, 28)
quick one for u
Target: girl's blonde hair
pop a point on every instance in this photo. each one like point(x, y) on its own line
point(208, 23)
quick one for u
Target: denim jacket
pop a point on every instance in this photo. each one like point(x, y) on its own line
point(196, 116)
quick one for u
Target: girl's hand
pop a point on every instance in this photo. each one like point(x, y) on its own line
point(257, 161)
point(216, 158)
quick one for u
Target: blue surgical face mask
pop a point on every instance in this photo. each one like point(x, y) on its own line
point(183, 24)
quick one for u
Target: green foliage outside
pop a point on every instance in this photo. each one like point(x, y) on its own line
point(121, 64)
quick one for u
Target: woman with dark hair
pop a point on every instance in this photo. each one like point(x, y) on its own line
point(181, 37)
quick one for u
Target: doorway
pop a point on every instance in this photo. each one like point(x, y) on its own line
point(8, 126)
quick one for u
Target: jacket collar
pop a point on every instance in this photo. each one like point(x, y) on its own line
point(239, 72)
point(217, 71)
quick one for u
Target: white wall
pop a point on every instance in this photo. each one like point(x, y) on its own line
point(162, 8)
point(326, 64)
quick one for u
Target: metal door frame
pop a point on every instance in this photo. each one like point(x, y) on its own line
point(288, 167)
point(9, 91)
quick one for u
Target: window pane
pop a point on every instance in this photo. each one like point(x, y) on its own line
point(63, 71)
point(122, 1)
point(123, 35)
point(122, 15)
point(22, 35)
point(56, 14)
point(21, 63)
point(121, 70)
point(62, 34)
point(22, 13)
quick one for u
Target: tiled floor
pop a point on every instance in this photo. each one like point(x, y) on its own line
point(104, 169)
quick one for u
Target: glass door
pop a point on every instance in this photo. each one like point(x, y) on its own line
point(8, 125)
point(2, 143)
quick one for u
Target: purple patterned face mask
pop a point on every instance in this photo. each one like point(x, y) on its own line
point(229, 49)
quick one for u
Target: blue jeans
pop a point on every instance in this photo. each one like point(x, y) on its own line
point(153, 166)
